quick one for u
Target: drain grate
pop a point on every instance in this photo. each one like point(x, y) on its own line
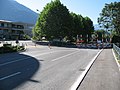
point(81, 69)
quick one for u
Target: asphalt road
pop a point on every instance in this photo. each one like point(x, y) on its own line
point(103, 75)
point(41, 68)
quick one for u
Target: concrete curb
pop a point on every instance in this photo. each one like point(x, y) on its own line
point(81, 77)
point(116, 59)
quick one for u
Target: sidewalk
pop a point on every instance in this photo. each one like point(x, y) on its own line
point(103, 75)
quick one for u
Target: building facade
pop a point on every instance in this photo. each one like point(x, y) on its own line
point(14, 30)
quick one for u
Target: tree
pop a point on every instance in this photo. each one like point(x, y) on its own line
point(81, 26)
point(77, 24)
point(102, 35)
point(88, 27)
point(110, 17)
point(53, 21)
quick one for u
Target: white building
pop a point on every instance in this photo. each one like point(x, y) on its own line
point(12, 30)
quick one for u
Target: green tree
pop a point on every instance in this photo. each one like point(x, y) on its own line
point(81, 26)
point(77, 24)
point(110, 17)
point(88, 28)
point(53, 21)
point(102, 35)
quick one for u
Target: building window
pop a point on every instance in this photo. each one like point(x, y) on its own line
point(14, 26)
point(20, 26)
point(2, 24)
point(9, 25)
point(5, 31)
point(1, 31)
point(5, 24)
point(13, 31)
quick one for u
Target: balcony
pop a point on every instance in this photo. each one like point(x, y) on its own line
point(17, 27)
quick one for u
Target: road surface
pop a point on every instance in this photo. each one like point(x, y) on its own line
point(41, 68)
point(103, 75)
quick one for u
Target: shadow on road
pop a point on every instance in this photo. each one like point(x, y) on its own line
point(16, 73)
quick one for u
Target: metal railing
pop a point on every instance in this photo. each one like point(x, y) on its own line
point(117, 51)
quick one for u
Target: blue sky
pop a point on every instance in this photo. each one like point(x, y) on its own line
point(90, 8)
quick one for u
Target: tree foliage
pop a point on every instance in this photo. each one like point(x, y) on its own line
point(55, 22)
point(77, 24)
point(102, 35)
point(81, 26)
point(110, 17)
point(88, 27)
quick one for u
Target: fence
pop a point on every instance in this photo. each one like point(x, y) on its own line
point(117, 51)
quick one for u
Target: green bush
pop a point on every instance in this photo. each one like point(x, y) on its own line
point(7, 48)
point(7, 45)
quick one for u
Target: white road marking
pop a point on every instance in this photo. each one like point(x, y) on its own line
point(27, 58)
point(116, 59)
point(80, 78)
point(29, 52)
point(64, 56)
point(14, 61)
point(9, 76)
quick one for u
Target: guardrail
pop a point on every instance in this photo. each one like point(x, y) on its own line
point(117, 51)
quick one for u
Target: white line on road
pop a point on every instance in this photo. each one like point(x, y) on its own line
point(116, 59)
point(80, 78)
point(13, 61)
point(64, 56)
point(9, 76)
point(27, 58)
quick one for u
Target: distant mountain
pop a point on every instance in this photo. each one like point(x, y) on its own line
point(13, 11)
